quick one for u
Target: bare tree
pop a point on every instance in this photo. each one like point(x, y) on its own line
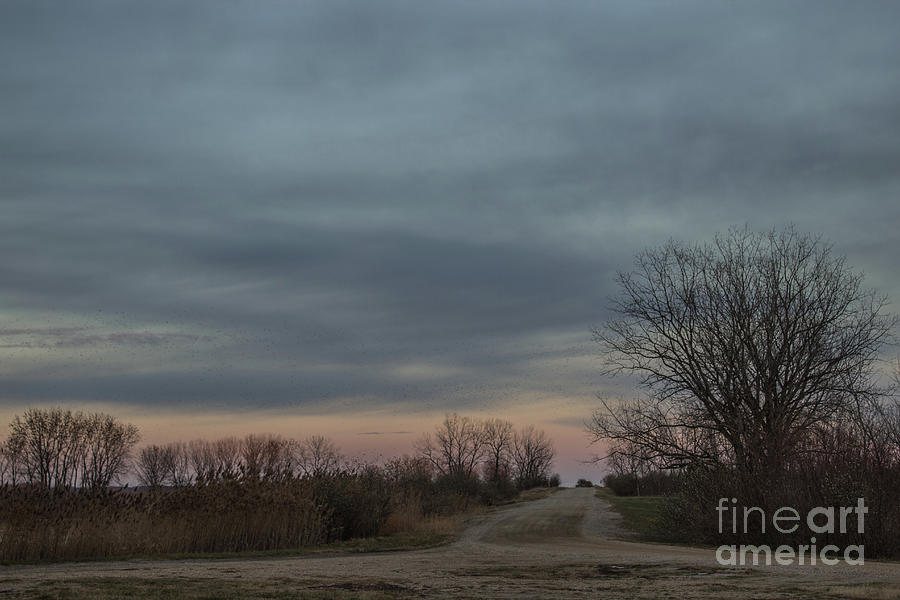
point(253, 457)
point(213, 460)
point(227, 456)
point(626, 459)
point(267, 456)
point(179, 472)
point(202, 459)
point(456, 448)
point(37, 436)
point(108, 444)
point(532, 455)
point(743, 345)
point(892, 413)
point(408, 469)
point(498, 437)
point(153, 465)
point(6, 464)
point(252, 451)
point(14, 471)
point(317, 455)
point(57, 448)
point(68, 438)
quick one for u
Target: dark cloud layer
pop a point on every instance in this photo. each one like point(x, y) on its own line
point(335, 204)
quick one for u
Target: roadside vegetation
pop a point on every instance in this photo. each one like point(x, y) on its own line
point(641, 515)
point(256, 494)
point(115, 588)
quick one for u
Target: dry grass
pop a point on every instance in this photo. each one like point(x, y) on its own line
point(110, 588)
point(870, 591)
point(640, 514)
point(535, 494)
point(40, 524)
point(603, 571)
point(295, 515)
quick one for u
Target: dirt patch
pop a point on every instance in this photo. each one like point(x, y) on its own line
point(600, 571)
point(368, 586)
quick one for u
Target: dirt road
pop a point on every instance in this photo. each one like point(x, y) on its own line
point(563, 546)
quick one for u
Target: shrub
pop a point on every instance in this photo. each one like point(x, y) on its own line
point(690, 515)
point(653, 483)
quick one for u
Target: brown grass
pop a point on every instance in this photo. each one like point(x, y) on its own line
point(870, 591)
point(224, 518)
point(40, 524)
point(110, 588)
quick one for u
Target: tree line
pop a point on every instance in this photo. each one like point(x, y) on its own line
point(60, 448)
point(461, 446)
point(256, 456)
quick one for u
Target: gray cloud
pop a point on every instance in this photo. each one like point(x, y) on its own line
point(330, 203)
point(76, 337)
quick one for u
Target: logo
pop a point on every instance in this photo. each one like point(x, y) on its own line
point(787, 520)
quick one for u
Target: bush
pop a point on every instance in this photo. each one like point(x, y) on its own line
point(359, 500)
point(691, 515)
point(654, 483)
point(497, 491)
point(584, 483)
point(621, 485)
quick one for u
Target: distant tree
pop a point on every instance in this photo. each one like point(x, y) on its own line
point(532, 455)
point(153, 465)
point(227, 455)
point(202, 460)
point(41, 439)
point(59, 448)
point(317, 455)
point(179, 473)
point(109, 444)
point(11, 453)
point(892, 414)
point(498, 437)
point(7, 462)
point(214, 460)
point(456, 447)
point(408, 470)
point(743, 346)
point(631, 461)
point(267, 456)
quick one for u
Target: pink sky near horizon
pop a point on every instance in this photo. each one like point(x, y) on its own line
point(373, 437)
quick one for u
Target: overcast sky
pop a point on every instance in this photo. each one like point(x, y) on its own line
point(327, 208)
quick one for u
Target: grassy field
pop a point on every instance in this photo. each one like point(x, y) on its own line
point(640, 514)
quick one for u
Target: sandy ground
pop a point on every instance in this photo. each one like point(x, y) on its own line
point(567, 545)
